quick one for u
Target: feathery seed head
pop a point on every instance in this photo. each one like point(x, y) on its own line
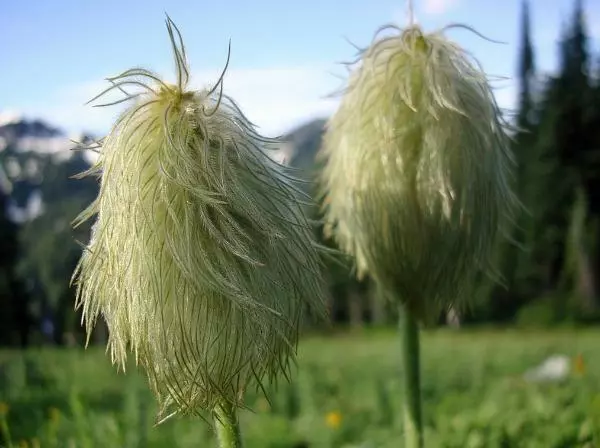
point(201, 260)
point(417, 169)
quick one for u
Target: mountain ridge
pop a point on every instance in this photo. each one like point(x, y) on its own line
point(37, 163)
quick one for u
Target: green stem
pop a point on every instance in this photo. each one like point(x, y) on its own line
point(4, 432)
point(227, 426)
point(413, 422)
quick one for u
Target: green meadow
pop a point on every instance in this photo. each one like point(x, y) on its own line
point(345, 393)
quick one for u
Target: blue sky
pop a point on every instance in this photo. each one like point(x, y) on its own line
point(57, 53)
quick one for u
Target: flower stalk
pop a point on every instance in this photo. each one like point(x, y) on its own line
point(227, 426)
point(411, 368)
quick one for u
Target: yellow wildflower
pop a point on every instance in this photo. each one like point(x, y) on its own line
point(263, 405)
point(54, 415)
point(333, 419)
point(579, 365)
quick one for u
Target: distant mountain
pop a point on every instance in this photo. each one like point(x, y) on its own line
point(36, 163)
point(18, 128)
point(36, 169)
point(35, 135)
point(304, 143)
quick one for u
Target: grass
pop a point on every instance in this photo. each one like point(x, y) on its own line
point(346, 393)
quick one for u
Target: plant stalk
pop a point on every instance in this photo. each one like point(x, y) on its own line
point(227, 426)
point(413, 420)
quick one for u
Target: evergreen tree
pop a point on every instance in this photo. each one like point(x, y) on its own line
point(500, 302)
point(593, 154)
point(526, 74)
point(575, 92)
point(14, 318)
point(528, 169)
point(51, 248)
point(574, 141)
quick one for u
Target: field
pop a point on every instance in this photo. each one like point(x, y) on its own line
point(345, 393)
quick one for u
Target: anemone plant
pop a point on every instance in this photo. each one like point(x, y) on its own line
point(201, 260)
point(416, 179)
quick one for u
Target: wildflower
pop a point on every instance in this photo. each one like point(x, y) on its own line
point(263, 405)
point(54, 415)
point(579, 365)
point(201, 259)
point(417, 170)
point(333, 419)
point(4, 408)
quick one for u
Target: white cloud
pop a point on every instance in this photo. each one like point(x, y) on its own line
point(435, 7)
point(275, 99)
point(595, 29)
point(9, 116)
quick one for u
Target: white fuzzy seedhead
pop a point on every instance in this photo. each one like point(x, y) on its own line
point(201, 260)
point(418, 169)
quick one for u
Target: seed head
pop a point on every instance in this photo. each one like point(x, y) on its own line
point(417, 172)
point(201, 260)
